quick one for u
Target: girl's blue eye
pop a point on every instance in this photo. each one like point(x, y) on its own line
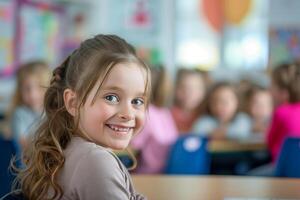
point(138, 101)
point(112, 98)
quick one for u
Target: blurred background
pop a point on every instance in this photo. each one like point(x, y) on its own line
point(230, 39)
point(212, 66)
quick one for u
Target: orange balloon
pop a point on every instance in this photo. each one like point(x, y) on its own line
point(236, 10)
point(213, 11)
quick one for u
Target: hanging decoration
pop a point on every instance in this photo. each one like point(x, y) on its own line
point(220, 12)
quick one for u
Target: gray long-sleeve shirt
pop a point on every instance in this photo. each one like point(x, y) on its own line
point(93, 172)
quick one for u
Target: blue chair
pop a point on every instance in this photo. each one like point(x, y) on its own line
point(288, 164)
point(8, 149)
point(189, 155)
point(16, 195)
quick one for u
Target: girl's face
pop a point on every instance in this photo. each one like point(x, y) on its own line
point(261, 105)
point(224, 104)
point(33, 93)
point(190, 91)
point(118, 110)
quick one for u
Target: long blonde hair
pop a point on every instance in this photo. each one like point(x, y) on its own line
point(91, 62)
point(39, 69)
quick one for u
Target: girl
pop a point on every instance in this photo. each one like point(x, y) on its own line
point(189, 94)
point(96, 101)
point(32, 80)
point(223, 121)
point(285, 90)
point(260, 106)
point(160, 130)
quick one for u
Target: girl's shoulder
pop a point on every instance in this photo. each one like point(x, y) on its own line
point(205, 122)
point(242, 116)
point(287, 109)
point(87, 158)
point(206, 119)
point(85, 150)
point(91, 170)
point(24, 112)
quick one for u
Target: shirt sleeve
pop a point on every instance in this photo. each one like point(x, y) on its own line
point(99, 177)
point(204, 126)
point(240, 128)
point(18, 124)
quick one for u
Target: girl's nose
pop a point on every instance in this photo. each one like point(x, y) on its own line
point(126, 113)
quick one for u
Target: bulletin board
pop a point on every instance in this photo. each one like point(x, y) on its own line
point(30, 30)
point(7, 33)
point(39, 35)
point(284, 45)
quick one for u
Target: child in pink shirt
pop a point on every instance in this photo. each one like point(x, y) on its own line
point(286, 117)
point(160, 130)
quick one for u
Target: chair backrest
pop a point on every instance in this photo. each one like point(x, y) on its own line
point(8, 149)
point(16, 195)
point(288, 164)
point(189, 155)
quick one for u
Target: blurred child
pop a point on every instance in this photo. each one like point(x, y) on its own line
point(32, 80)
point(160, 130)
point(260, 106)
point(222, 119)
point(189, 93)
point(96, 101)
point(285, 90)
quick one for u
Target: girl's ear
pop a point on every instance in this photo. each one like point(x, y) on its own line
point(70, 99)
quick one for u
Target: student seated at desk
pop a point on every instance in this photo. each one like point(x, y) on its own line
point(259, 106)
point(190, 89)
point(222, 119)
point(285, 90)
point(27, 105)
point(160, 130)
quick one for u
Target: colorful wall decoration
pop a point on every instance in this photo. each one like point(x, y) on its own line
point(29, 30)
point(7, 24)
point(39, 35)
point(221, 12)
point(284, 45)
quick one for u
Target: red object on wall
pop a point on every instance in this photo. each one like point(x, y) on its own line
point(213, 11)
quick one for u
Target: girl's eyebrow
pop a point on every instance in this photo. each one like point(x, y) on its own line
point(116, 88)
point(113, 88)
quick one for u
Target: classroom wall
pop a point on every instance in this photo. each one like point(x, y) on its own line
point(107, 16)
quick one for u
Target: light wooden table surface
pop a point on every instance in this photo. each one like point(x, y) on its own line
point(222, 146)
point(215, 187)
point(218, 146)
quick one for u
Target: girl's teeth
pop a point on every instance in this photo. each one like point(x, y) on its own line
point(118, 128)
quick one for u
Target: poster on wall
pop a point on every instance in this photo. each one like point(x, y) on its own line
point(7, 19)
point(284, 45)
point(39, 32)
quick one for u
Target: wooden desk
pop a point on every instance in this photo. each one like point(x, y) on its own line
point(220, 146)
point(215, 187)
point(234, 146)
